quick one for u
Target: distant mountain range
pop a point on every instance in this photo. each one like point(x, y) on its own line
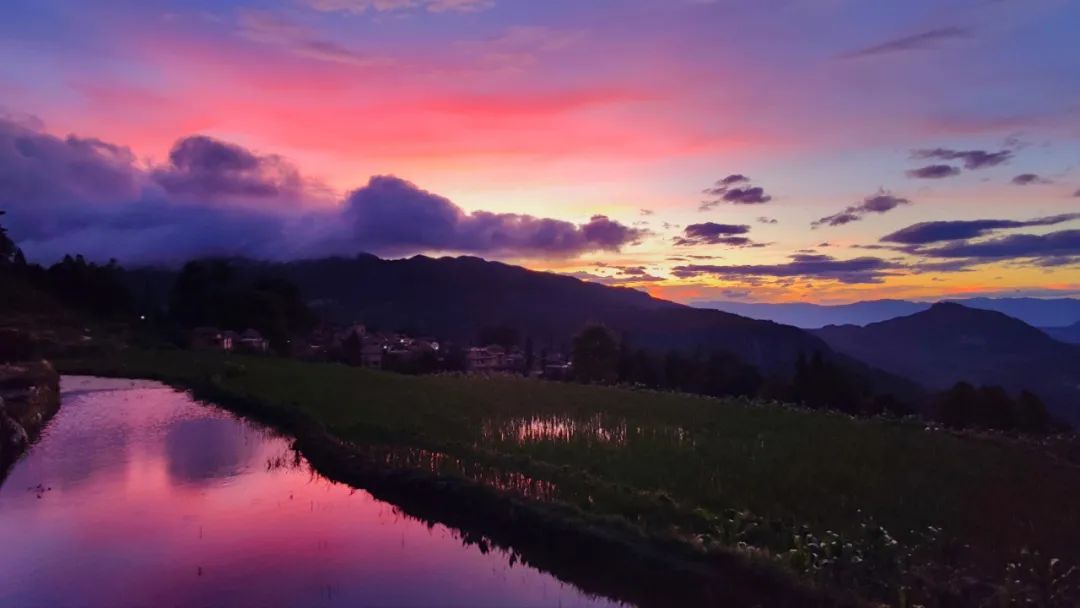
point(1070, 334)
point(947, 343)
point(1052, 313)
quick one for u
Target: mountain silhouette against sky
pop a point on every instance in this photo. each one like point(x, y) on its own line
point(1070, 334)
point(456, 297)
point(1059, 312)
point(948, 343)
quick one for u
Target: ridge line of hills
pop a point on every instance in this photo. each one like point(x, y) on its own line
point(454, 297)
point(1059, 317)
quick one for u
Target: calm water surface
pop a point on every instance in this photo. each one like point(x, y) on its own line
point(136, 495)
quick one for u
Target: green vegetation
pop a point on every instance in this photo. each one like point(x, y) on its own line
point(891, 509)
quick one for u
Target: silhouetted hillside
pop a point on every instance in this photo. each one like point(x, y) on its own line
point(949, 343)
point(1070, 334)
point(454, 298)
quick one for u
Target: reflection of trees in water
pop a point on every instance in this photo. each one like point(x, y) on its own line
point(202, 449)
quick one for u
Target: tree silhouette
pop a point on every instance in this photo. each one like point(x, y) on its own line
point(595, 355)
point(9, 252)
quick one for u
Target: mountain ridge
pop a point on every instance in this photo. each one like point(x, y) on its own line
point(1038, 312)
point(455, 297)
point(949, 342)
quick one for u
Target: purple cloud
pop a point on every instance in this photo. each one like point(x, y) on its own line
point(972, 159)
point(728, 190)
point(1025, 179)
point(391, 215)
point(807, 266)
point(206, 169)
point(882, 202)
point(1052, 245)
point(936, 232)
point(37, 168)
point(736, 178)
point(711, 233)
point(216, 198)
point(934, 172)
point(920, 41)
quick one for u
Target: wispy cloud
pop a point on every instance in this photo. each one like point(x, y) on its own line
point(882, 202)
point(921, 41)
point(972, 159)
point(934, 172)
point(389, 6)
point(1053, 249)
point(807, 266)
point(272, 28)
point(936, 232)
point(711, 233)
point(1026, 179)
point(735, 189)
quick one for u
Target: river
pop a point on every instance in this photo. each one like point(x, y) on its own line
point(137, 495)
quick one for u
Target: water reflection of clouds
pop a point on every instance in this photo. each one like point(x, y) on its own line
point(206, 449)
point(185, 505)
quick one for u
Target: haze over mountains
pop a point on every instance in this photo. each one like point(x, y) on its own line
point(948, 343)
point(1070, 333)
point(1042, 313)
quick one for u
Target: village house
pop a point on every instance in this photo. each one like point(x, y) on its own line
point(229, 339)
point(555, 366)
point(356, 331)
point(486, 358)
point(319, 342)
point(211, 338)
point(371, 353)
point(252, 341)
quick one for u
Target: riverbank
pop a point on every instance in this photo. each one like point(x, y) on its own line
point(29, 397)
point(688, 500)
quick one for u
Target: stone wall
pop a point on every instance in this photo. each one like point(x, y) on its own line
point(29, 397)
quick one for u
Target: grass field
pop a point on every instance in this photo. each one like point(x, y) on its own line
point(798, 485)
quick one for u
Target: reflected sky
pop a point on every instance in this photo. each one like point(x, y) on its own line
point(138, 496)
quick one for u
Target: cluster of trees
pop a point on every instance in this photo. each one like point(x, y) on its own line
point(213, 293)
point(991, 407)
point(73, 284)
point(822, 384)
point(817, 383)
point(210, 293)
point(599, 357)
point(9, 253)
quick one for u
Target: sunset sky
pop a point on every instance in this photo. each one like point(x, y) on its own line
point(762, 150)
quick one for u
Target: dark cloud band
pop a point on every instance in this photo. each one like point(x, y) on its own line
point(216, 198)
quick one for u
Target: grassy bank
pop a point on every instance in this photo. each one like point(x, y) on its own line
point(869, 505)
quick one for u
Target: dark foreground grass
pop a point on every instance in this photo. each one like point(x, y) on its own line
point(874, 505)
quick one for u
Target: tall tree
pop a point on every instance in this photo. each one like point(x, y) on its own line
point(9, 252)
point(595, 355)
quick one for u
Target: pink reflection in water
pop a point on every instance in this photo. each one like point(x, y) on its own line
point(138, 496)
